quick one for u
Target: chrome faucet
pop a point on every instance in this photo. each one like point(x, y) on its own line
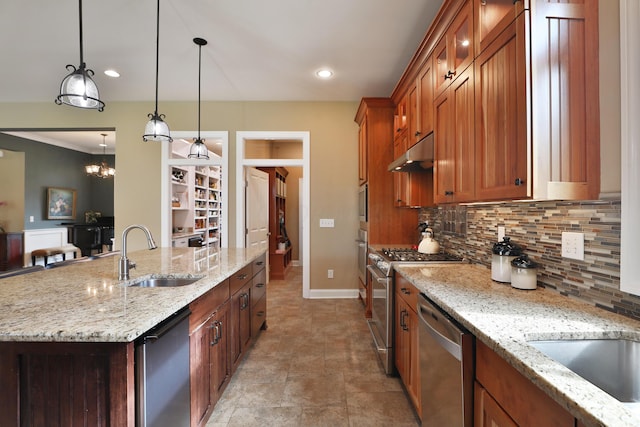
point(125, 264)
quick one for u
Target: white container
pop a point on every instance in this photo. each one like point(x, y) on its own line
point(503, 253)
point(524, 273)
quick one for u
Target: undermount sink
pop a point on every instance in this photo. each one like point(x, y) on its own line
point(164, 282)
point(610, 364)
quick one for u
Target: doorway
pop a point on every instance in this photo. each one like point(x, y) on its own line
point(244, 161)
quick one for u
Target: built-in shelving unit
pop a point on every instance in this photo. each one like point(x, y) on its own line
point(196, 203)
point(279, 243)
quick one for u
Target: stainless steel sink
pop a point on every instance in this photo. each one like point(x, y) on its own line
point(164, 282)
point(610, 364)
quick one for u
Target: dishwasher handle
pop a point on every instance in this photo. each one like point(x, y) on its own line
point(157, 332)
point(429, 317)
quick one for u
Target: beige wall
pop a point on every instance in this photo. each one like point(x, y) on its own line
point(333, 164)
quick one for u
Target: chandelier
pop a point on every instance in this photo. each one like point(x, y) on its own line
point(101, 170)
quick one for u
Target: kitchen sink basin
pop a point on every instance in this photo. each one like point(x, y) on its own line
point(610, 364)
point(164, 282)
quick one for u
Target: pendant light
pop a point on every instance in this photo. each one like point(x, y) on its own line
point(78, 89)
point(101, 170)
point(198, 149)
point(157, 129)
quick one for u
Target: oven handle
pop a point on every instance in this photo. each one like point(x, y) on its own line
point(376, 275)
point(375, 335)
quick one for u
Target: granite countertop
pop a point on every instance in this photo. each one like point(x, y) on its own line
point(505, 318)
point(85, 301)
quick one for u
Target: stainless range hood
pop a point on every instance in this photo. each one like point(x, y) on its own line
point(417, 158)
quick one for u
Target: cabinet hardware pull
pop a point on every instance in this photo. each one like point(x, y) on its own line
point(242, 276)
point(405, 291)
point(519, 181)
point(259, 263)
point(449, 75)
point(448, 193)
point(260, 314)
point(260, 285)
point(417, 133)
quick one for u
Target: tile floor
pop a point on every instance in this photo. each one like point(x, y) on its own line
point(314, 366)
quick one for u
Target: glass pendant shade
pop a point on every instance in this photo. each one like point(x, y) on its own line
point(199, 150)
point(157, 129)
point(78, 88)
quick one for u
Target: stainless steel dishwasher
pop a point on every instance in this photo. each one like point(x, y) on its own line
point(446, 368)
point(162, 374)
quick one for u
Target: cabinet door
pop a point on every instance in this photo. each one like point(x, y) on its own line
point(460, 35)
point(441, 78)
point(240, 323)
point(200, 376)
point(412, 117)
point(502, 106)
point(400, 189)
point(487, 412)
point(454, 166)
point(492, 17)
point(362, 153)
point(219, 353)
point(425, 100)
point(402, 351)
point(566, 115)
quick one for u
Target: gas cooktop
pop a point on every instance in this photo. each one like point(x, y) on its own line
point(412, 255)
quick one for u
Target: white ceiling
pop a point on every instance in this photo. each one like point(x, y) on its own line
point(259, 50)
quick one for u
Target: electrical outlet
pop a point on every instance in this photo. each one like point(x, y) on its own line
point(329, 274)
point(501, 233)
point(573, 245)
point(31, 218)
point(326, 222)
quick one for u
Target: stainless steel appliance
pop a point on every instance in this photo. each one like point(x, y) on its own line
point(363, 203)
point(446, 368)
point(380, 268)
point(162, 374)
point(362, 258)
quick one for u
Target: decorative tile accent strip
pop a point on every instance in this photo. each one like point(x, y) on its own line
point(537, 227)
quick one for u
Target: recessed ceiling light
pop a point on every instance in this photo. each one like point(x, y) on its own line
point(324, 73)
point(112, 73)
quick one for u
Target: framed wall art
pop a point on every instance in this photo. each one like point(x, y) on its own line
point(61, 203)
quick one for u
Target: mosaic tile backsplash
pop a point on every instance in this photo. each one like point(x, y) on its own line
point(537, 227)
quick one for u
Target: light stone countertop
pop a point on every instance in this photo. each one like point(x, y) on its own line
point(84, 302)
point(505, 318)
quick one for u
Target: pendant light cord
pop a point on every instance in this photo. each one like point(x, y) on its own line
point(81, 50)
point(199, 82)
point(157, 52)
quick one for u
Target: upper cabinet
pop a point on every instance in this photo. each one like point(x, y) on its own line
point(454, 52)
point(492, 17)
point(424, 103)
point(502, 105)
point(566, 113)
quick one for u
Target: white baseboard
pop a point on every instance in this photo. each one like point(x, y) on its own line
point(333, 293)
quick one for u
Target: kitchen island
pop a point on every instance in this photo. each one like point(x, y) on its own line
point(81, 322)
point(504, 319)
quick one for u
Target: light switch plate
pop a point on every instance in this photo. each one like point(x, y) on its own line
point(326, 222)
point(573, 245)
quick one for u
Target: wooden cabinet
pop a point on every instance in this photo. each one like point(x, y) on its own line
point(566, 113)
point(454, 52)
point(11, 251)
point(209, 335)
point(424, 102)
point(362, 154)
point(240, 312)
point(386, 223)
point(279, 258)
point(502, 132)
point(492, 17)
point(454, 166)
point(504, 397)
point(406, 335)
point(258, 297)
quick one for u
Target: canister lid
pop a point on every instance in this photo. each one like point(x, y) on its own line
point(506, 248)
point(523, 261)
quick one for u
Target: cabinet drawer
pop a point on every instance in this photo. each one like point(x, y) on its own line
point(259, 264)
point(407, 292)
point(259, 287)
point(530, 405)
point(258, 315)
point(240, 278)
point(203, 307)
